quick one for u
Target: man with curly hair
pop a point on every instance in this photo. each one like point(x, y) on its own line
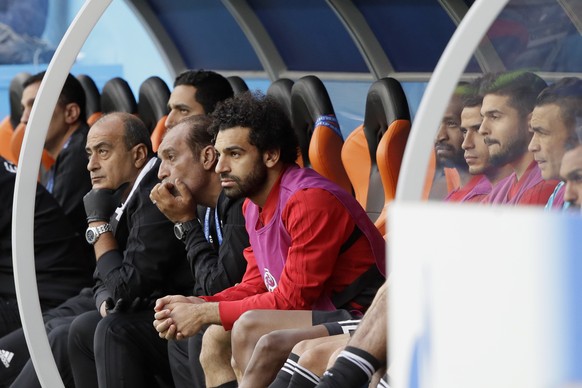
point(313, 247)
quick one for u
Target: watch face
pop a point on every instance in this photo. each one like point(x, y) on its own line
point(179, 231)
point(90, 235)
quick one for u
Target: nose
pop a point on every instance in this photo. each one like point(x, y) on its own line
point(441, 134)
point(483, 128)
point(92, 165)
point(25, 116)
point(170, 120)
point(534, 145)
point(163, 171)
point(570, 193)
point(221, 166)
point(468, 141)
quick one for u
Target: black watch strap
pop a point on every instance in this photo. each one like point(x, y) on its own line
point(181, 229)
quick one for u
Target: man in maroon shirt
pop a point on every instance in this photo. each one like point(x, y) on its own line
point(476, 153)
point(508, 100)
point(553, 123)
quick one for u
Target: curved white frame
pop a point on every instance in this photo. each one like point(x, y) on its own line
point(447, 73)
point(25, 189)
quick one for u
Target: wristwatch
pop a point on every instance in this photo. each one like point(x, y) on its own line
point(181, 229)
point(92, 234)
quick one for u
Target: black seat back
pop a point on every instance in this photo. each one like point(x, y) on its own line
point(238, 84)
point(280, 90)
point(92, 96)
point(15, 96)
point(152, 102)
point(117, 96)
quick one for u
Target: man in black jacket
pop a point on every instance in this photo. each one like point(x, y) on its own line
point(210, 224)
point(138, 257)
point(67, 179)
point(61, 269)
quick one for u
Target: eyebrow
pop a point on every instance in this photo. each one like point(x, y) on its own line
point(537, 129)
point(99, 145)
point(492, 111)
point(178, 106)
point(233, 148)
point(165, 151)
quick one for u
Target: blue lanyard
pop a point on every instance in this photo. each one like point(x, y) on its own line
point(216, 224)
point(50, 184)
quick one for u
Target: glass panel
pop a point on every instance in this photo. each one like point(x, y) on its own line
point(513, 137)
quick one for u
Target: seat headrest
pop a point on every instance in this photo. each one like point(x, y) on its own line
point(117, 96)
point(153, 101)
point(15, 94)
point(92, 95)
point(280, 90)
point(385, 103)
point(238, 84)
point(309, 101)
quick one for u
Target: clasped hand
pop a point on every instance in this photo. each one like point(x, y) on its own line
point(178, 317)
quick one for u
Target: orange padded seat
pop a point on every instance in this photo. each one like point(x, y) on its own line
point(372, 154)
point(158, 133)
point(317, 129)
point(356, 159)
point(389, 159)
point(6, 132)
point(16, 144)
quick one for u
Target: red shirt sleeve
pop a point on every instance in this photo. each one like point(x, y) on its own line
point(318, 225)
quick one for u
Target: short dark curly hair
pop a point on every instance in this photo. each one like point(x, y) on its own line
point(270, 127)
point(522, 88)
point(211, 87)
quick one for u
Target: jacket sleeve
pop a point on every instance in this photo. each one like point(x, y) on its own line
point(215, 271)
point(152, 258)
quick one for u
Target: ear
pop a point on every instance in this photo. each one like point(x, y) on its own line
point(140, 155)
point(208, 158)
point(72, 112)
point(271, 158)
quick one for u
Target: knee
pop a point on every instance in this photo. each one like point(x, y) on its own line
point(302, 347)
point(244, 326)
point(316, 359)
point(58, 336)
point(82, 329)
point(269, 343)
point(312, 358)
point(215, 344)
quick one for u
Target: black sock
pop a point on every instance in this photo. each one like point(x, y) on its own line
point(284, 376)
point(303, 378)
point(353, 368)
point(341, 327)
point(230, 384)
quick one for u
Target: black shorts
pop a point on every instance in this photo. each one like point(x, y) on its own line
point(318, 316)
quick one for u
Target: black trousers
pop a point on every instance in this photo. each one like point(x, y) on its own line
point(120, 350)
point(14, 345)
point(185, 362)
point(9, 315)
